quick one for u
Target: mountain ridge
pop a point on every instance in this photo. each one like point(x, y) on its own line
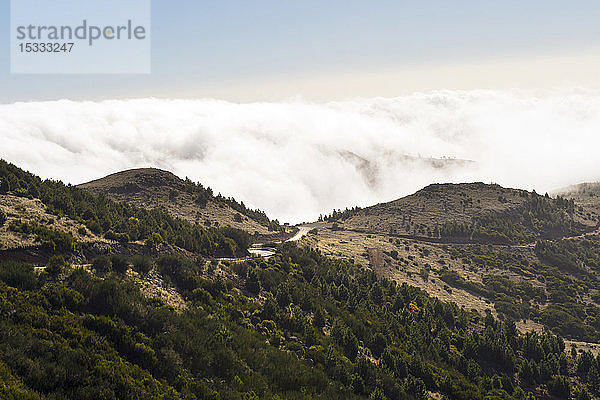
point(471, 211)
point(156, 188)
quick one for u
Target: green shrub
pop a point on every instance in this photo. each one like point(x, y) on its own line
point(560, 387)
point(4, 185)
point(118, 237)
point(51, 239)
point(102, 264)
point(201, 295)
point(119, 263)
point(142, 264)
point(154, 239)
point(55, 265)
point(252, 282)
point(18, 274)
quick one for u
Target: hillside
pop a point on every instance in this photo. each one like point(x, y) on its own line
point(586, 195)
point(31, 233)
point(117, 222)
point(154, 188)
point(471, 212)
point(524, 256)
point(344, 314)
point(587, 191)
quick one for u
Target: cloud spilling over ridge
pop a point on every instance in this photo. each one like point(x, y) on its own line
point(297, 159)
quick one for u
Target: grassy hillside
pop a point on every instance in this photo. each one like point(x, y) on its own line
point(510, 252)
point(117, 222)
point(583, 192)
point(587, 196)
point(473, 212)
point(19, 210)
point(153, 188)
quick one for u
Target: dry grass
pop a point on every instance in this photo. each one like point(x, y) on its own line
point(418, 214)
point(434, 205)
point(153, 285)
point(409, 266)
point(153, 188)
point(587, 196)
point(594, 348)
point(33, 210)
point(392, 239)
point(417, 263)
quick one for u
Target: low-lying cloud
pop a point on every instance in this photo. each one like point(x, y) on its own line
point(296, 160)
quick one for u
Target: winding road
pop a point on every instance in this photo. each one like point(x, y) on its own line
point(260, 250)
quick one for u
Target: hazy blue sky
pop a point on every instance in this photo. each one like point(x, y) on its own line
point(263, 50)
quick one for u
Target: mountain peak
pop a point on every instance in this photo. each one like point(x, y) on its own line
point(133, 180)
point(157, 188)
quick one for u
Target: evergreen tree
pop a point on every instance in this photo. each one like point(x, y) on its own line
point(252, 281)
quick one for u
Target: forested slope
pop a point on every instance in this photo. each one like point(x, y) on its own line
point(120, 221)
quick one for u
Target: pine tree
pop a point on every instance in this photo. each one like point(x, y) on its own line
point(252, 281)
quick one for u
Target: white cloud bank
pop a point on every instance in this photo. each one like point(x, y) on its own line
point(296, 159)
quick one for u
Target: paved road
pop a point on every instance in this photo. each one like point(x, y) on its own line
point(303, 229)
point(258, 249)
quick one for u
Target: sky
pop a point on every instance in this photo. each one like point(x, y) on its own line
point(300, 107)
point(268, 51)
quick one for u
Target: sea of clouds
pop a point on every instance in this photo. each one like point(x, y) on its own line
point(297, 159)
